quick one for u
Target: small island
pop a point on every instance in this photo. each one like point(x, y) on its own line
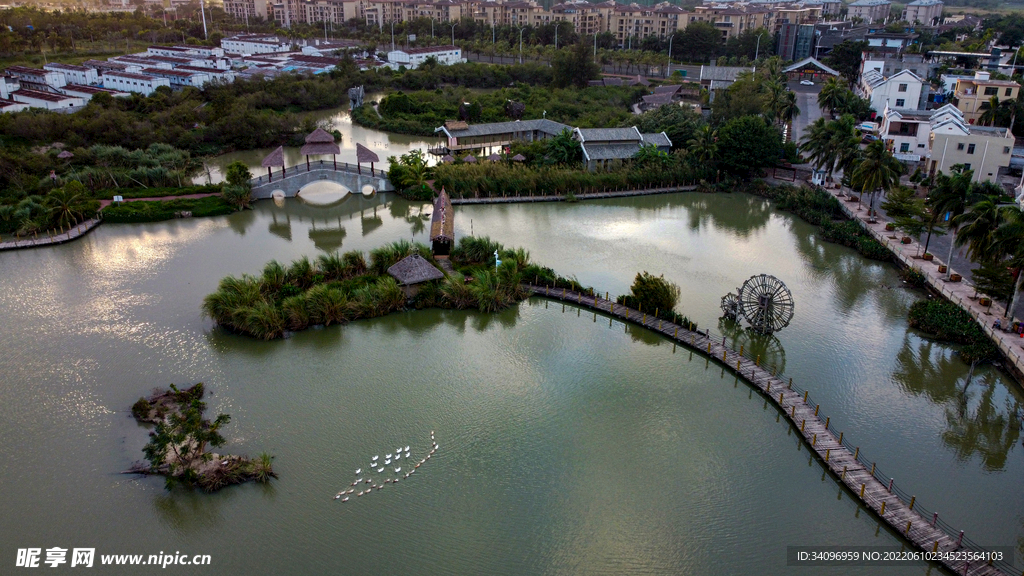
point(178, 445)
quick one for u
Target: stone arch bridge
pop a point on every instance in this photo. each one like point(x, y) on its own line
point(350, 176)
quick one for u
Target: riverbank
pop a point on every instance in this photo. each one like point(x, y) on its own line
point(862, 477)
point(962, 293)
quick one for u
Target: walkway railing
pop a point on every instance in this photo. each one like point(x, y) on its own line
point(861, 475)
point(51, 237)
point(315, 165)
point(508, 199)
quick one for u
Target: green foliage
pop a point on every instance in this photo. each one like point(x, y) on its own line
point(179, 443)
point(652, 293)
point(748, 144)
point(597, 106)
point(914, 277)
point(141, 408)
point(845, 58)
point(679, 123)
point(237, 174)
point(947, 321)
point(574, 66)
point(155, 211)
point(994, 279)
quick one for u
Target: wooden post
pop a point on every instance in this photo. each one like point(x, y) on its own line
point(912, 500)
point(908, 528)
point(840, 438)
point(814, 442)
point(769, 383)
point(741, 349)
point(780, 398)
point(737, 365)
point(856, 453)
point(709, 347)
point(816, 409)
point(883, 508)
point(676, 335)
point(827, 452)
point(723, 355)
point(843, 477)
point(827, 421)
point(935, 547)
point(890, 484)
point(792, 413)
point(805, 395)
point(862, 491)
point(307, 162)
point(802, 424)
point(935, 518)
point(270, 175)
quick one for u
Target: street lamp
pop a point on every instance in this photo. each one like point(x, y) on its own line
point(668, 67)
point(757, 47)
point(392, 35)
point(556, 34)
point(453, 32)
point(521, 30)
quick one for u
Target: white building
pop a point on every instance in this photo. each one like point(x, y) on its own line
point(47, 100)
point(76, 74)
point(141, 62)
point(906, 133)
point(870, 10)
point(8, 84)
point(227, 76)
point(179, 78)
point(87, 92)
point(37, 78)
point(255, 45)
point(927, 12)
point(7, 105)
point(413, 57)
point(131, 82)
point(180, 52)
point(901, 91)
point(984, 149)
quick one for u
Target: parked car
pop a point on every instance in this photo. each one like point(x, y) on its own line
point(807, 83)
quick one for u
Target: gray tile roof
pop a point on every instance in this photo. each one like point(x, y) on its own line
point(610, 151)
point(542, 125)
point(658, 139)
point(608, 134)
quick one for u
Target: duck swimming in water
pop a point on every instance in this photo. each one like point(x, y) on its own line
point(379, 470)
point(398, 469)
point(359, 471)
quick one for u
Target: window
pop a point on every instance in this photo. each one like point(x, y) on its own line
point(960, 146)
point(902, 88)
point(905, 147)
point(970, 148)
point(1009, 92)
point(900, 102)
point(967, 165)
point(1006, 149)
point(991, 91)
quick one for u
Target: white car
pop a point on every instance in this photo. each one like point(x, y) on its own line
point(806, 83)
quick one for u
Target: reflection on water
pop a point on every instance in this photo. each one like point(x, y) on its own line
point(767, 347)
point(982, 419)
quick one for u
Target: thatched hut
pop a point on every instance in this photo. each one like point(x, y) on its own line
point(442, 226)
point(320, 142)
point(412, 271)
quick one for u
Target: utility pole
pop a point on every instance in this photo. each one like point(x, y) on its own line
point(453, 32)
point(521, 30)
point(392, 34)
point(668, 68)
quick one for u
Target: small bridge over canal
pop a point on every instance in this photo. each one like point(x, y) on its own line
point(291, 180)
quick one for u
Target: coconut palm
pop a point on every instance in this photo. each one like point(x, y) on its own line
point(832, 145)
point(831, 94)
point(988, 117)
point(703, 147)
point(976, 230)
point(878, 170)
point(950, 198)
point(64, 205)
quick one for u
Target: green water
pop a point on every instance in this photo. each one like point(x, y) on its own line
point(569, 443)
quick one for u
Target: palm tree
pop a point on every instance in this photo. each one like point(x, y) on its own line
point(976, 230)
point(64, 206)
point(988, 117)
point(703, 147)
point(878, 170)
point(832, 145)
point(1009, 242)
point(950, 198)
point(831, 93)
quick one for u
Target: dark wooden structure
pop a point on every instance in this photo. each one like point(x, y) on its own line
point(442, 226)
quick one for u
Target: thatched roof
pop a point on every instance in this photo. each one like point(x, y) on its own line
point(318, 148)
point(365, 155)
point(65, 154)
point(519, 157)
point(494, 157)
point(320, 136)
point(275, 158)
point(447, 158)
point(442, 221)
point(456, 125)
point(413, 270)
point(469, 158)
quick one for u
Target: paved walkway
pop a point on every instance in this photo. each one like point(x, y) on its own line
point(48, 240)
point(962, 293)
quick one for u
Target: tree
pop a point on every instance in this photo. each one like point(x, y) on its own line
point(564, 149)
point(878, 170)
point(65, 204)
point(831, 94)
point(748, 144)
point(179, 442)
point(652, 293)
point(703, 148)
point(574, 66)
point(950, 197)
point(649, 156)
point(698, 42)
point(237, 174)
point(846, 59)
point(679, 123)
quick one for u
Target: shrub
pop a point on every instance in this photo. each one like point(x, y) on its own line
point(947, 321)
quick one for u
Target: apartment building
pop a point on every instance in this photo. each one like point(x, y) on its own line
point(245, 9)
point(901, 91)
point(973, 95)
point(639, 22)
point(732, 21)
point(927, 12)
point(870, 10)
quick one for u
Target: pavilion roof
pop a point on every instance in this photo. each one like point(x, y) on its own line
point(320, 136)
point(442, 221)
point(318, 148)
point(414, 269)
point(364, 154)
point(275, 158)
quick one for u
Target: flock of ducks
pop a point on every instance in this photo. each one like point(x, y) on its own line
point(390, 461)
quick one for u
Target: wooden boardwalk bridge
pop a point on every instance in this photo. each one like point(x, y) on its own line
point(898, 509)
point(580, 196)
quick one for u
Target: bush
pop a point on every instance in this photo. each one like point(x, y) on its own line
point(947, 321)
point(156, 211)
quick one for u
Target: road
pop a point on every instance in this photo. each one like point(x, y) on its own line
point(807, 102)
